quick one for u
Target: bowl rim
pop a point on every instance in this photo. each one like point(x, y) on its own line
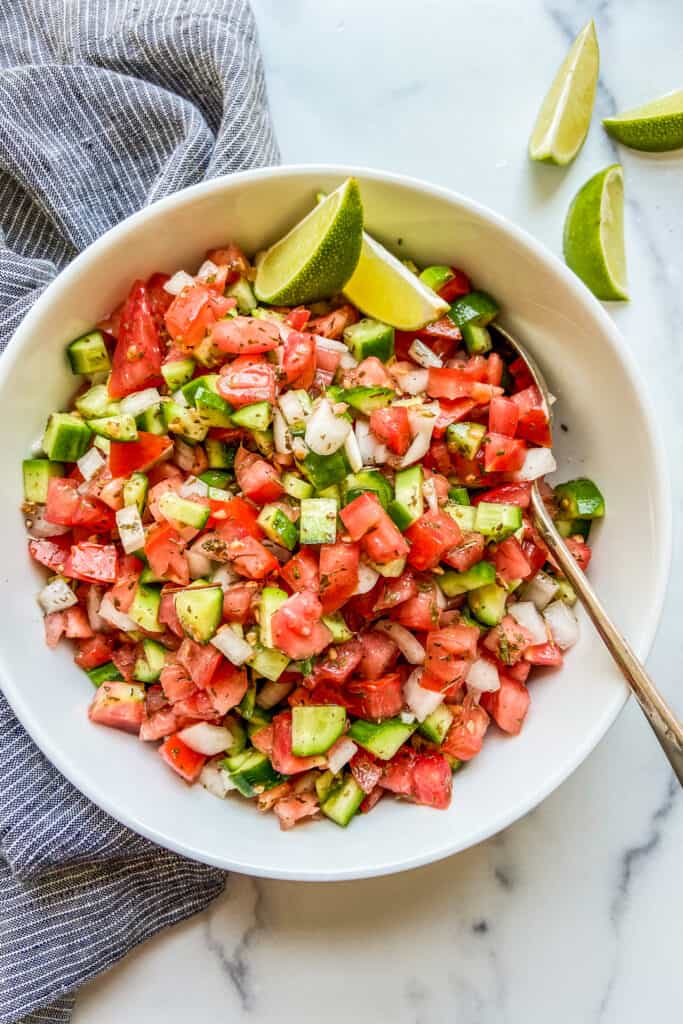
point(662, 502)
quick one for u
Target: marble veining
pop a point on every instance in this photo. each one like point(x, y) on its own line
point(573, 915)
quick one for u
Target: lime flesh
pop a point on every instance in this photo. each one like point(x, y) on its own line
point(565, 114)
point(318, 256)
point(594, 234)
point(656, 127)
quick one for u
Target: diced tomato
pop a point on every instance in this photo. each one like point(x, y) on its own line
point(396, 591)
point(521, 374)
point(291, 809)
point(338, 574)
point(282, 758)
point(232, 257)
point(425, 777)
point(262, 739)
point(332, 325)
point(297, 318)
point(197, 706)
point(379, 652)
point(119, 706)
point(447, 648)
point(125, 457)
point(200, 660)
point(245, 335)
point(533, 426)
point(54, 624)
point(190, 315)
point(506, 494)
point(467, 553)
point(444, 330)
point(503, 416)
point(182, 759)
point(370, 373)
point(494, 369)
point(420, 612)
point(466, 734)
point(365, 770)
point(94, 651)
point(430, 537)
point(391, 426)
point(248, 556)
point(301, 571)
point(227, 687)
point(503, 454)
point(124, 657)
point(451, 412)
point(246, 380)
point(163, 471)
point(296, 627)
point(511, 562)
point(237, 603)
point(469, 472)
point(362, 514)
point(157, 725)
point(299, 359)
point(176, 682)
point(508, 640)
point(529, 398)
point(136, 363)
point(450, 383)
point(508, 705)
point(520, 671)
point(376, 699)
point(397, 774)
point(76, 625)
point(385, 543)
point(326, 362)
point(548, 655)
point(581, 551)
point(438, 459)
point(164, 548)
point(159, 298)
point(51, 551)
point(347, 657)
point(456, 286)
point(167, 612)
point(256, 478)
point(67, 507)
point(235, 512)
point(94, 563)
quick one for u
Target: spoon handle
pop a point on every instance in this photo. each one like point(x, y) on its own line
point(666, 726)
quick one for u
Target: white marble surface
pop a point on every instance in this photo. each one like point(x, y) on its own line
point(574, 914)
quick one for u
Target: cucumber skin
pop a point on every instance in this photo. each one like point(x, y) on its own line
point(343, 802)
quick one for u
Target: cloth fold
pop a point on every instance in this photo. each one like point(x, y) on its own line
point(104, 107)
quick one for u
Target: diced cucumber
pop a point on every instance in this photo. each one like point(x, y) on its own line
point(187, 422)
point(278, 526)
point(456, 583)
point(66, 437)
point(208, 354)
point(323, 470)
point(382, 739)
point(260, 718)
point(296, 487)
point(330, 492)
point(96, 402)
point(135, 491)
point(343, 801)
point(247, 706)
point(216, 478)
point(206, 382)
point(477, 338)
point(574, 527)
point(324, 785)
point(464, 515)
point(251, 772)
point(88, 354)
point(243, 294)
point(318, 521)
point(497, 520)
point(365, 480)
point(145, 608)
point(116, 428)
point(219, 454)
point(336, 624)
point(103, 443)
point(267, 662)
point(271, 599)
point(254, 417)
point(435, 726)
point(370, 338)
point(467, 619)
point(263, 440)
point(316, 728)
point(36, 474)
point(566, 592)
point(150, 662)
point(213, 408)
point(408, 504)
point(200, 610)
point(475, 307)
point(178, 372)
point(182, 510)
point(107, 673)
point(488, 603)
point(579, 499)
point(436, 277)
point(390, 570)
point(459, 495)
point(238, 734)
point(465, 438)
point(366, 399)
point(151, 420)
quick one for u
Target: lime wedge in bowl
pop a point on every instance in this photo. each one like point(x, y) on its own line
point(564, 118)
point(384, 289)
point(594, 234)
point(656, 127)
point(318, 256)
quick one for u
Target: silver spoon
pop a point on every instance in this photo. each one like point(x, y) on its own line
point(665, 725)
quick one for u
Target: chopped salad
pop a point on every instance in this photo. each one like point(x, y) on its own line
point(291, 546)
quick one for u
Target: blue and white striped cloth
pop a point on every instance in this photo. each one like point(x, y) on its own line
point(105, 105)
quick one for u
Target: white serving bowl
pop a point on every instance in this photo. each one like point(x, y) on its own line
point(611, 437)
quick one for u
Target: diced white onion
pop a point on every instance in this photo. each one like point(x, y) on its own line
point(420, 701)
point(232, 646)
point(528, 616)
point(281, 437)
point(563, 624)
point(441, 599)
point(90, 463)
point(180, 399)
point(422, 424)
point(407, 717)
point(216, 779)
point(220, 494)
point(193, 487)
point(92, 605)
point(225, 575)
point(429, 494)
point(180, 280)
point(198, 564)
point(331, 344)
point(367, 577)
point(39, 525)
point(183, 455)
point(292, 407)
point(482, 676)
point(56, 596)
point(140, 401)
point(537, 462)
point(352, 451)
point(411, 648)
point(541, 590)
point(348, 361)
point(271, 693)
point(413, 382)
point(206, 739)
point(207, 269)
point(114, 617)
point(423, 355)
point(325, 432)
point(131, 530)
point(372, 452)
point(340, 753)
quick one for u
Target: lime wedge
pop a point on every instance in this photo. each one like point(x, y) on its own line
point(565, 115)
point(594, 234)
point(318, 256)
point(384, 289)
point(655, 127)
